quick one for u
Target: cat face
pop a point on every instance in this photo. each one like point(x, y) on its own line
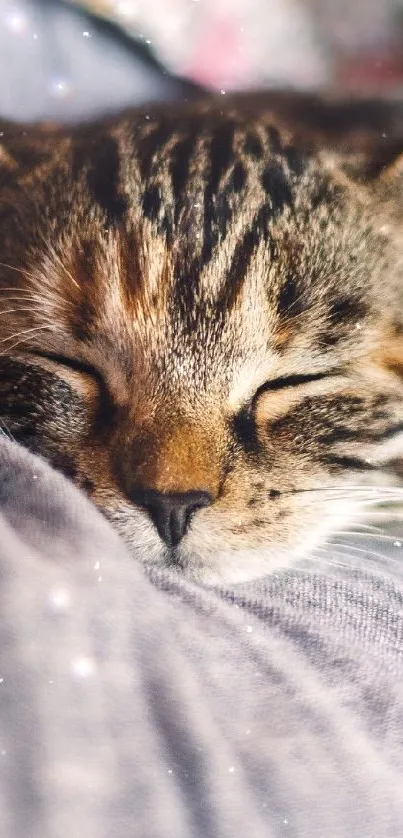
point(199, 320)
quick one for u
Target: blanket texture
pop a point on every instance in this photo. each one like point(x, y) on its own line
point(133, 703)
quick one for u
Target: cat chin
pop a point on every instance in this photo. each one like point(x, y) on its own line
point(233, 568)
point(201, 560)
point(228, 567)
point(221, 567)
point(205, 555)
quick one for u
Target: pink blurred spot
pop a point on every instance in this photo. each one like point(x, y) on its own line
point(371, 72)
point(219, 57)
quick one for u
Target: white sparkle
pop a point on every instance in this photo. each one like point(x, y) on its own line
point(358, 326)
point(249, 629)
point(285, 821)
point(60, 599)
point(35, 37)
point(87, 34)
point(83, 667)
point(99, 579)
point(223, 92)
point(34, 477)
point(123, 9)
point(148, 41)
point(60, 87)
point(169, 770)
point(97, 565)
point(397, 543)
point(231, 770)
point(16, 22)
point(1, 680)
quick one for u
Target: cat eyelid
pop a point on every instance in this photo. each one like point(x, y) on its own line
point(295, 380)
point(70, 363)
point(291, 381)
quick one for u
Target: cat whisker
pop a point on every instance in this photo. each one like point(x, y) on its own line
point(385, 559)
point(20, 311)
point(59, 305)
point(355, 549)
point(369, 536)
point(27, 332)
point(55, 257)
point(21, 271)
point(343, 492)
point(23, 298)
point(363, 529)
point(327, 557)
point(380, 496)
point(4, 429)
point(12, 288)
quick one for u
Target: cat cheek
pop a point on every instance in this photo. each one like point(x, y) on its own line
point(389, 454)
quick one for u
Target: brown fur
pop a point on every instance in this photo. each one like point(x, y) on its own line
point(207, 298)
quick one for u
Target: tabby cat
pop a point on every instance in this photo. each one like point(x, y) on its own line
point(201, 320)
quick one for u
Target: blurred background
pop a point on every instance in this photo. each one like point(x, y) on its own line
point(73, 60)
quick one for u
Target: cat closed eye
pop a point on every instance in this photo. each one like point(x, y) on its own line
point(275, 398)
point(72, 364)
point(292, 381)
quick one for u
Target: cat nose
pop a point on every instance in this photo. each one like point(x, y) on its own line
point(171, 513)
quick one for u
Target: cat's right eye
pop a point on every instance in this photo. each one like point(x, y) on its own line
point(73, 364)
point(82, 376)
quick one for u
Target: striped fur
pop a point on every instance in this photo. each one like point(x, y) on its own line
point(207, 298)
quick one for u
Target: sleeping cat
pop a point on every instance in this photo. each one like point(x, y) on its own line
point(201, 319)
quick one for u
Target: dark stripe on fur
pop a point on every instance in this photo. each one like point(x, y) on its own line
point(276, 186)
point(149, 145)
point(179, 170)
point(238, 269)
point(253, 146)
point(220, 156)
point(345, 463)
point(291, 301)
point(103, 179)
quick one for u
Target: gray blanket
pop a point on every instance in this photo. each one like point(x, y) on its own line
point(133, 703)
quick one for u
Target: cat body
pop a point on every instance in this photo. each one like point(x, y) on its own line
point(201, 314)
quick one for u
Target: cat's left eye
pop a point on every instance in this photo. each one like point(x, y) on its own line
point(293, 381)
point(275, 398)
point(290, 383)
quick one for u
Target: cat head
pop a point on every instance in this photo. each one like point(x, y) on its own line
point(201, 320)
